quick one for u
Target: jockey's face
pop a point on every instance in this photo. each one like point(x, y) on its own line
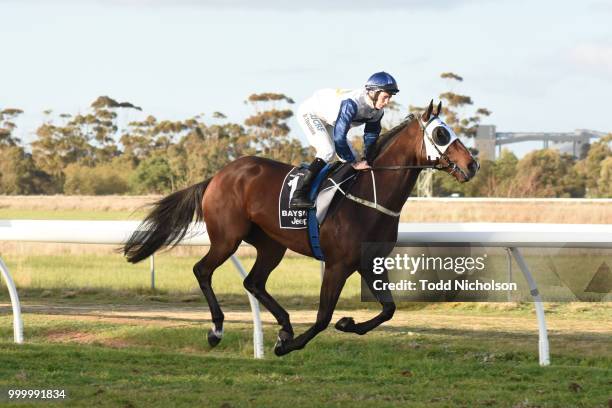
point(383, 100)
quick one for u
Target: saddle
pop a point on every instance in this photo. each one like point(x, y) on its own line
point(322, 192)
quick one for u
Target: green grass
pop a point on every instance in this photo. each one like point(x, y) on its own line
point(104, 276)
point(166, 362)
point(144, 365)
point(296, 281)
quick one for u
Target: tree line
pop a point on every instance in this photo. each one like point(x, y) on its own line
point(87, 153)
point(539, 174)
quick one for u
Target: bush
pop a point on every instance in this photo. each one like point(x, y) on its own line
point(100, 180)
point(153, 175)
point(19, 174)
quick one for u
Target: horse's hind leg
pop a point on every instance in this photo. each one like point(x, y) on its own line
point(347, 324)
point(269, 255)
point(203, 270)
point(334, 278)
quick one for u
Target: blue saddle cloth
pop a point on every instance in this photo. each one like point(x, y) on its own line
point(323, 192)
point(313, 224)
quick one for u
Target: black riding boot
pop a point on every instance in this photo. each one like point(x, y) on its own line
point(300, 196)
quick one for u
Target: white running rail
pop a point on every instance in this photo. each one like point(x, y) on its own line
point(508, 235)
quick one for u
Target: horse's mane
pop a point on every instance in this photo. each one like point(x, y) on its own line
point(385, 139)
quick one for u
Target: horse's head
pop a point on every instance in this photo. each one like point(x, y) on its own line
point(444, 147)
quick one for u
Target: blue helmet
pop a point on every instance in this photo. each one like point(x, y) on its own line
point(381, 81)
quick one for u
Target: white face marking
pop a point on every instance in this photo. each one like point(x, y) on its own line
point(430, 149)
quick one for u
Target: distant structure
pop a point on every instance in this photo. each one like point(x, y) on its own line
point(571, 142)
point(487, 139)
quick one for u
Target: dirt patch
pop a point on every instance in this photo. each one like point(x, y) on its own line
point(71, 337)
point(84, 338)
point(586, 337)
point(175, 316)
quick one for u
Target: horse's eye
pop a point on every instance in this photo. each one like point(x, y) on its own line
point(440, 136)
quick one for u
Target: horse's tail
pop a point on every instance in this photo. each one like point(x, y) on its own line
point(167, 223)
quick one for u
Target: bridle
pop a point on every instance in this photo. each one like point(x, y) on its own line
point(435, 165)
point(451, 165)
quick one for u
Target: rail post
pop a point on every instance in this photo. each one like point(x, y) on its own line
point(543, 347)
point(17, 320)
point(258, 351)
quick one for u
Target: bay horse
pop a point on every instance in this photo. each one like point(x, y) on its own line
point(240, 203)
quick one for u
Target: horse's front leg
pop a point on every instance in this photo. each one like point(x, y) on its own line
point(384, 296)
point(334, 278)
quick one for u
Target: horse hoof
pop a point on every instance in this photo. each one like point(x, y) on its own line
point(284, 336)
point(213, 339)
point(280, 348)
point(346, 324)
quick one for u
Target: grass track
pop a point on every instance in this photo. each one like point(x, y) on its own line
point(130, 364)
point(447, 356)
point(296, 281)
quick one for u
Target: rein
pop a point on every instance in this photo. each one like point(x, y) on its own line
point(436, 166)
point(424, 166)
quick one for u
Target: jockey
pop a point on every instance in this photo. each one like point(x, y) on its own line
point(326, 118)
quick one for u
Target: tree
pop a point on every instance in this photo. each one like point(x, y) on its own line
point(604, 183)
point(103, 179)
point(85, 139)
point(451, 75)
point(501, 180)
point(453, 105)
point(58, 146)
point(543, 173)
point(590, 168)
point(153, 175)
point(18, 172)
point(102, 126)
point(455, 102)
point(7, 126)
point(19, 175)
point(138, 142)
point(206, 149)
point(270, 131)
point(148, 137)
point(550, 174)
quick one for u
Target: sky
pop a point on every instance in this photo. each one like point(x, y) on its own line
point(537, 65)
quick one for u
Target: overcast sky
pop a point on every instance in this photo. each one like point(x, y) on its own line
point(538, 65)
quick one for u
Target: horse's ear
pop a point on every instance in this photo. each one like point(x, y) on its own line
point(427, 114)
point(439, 109)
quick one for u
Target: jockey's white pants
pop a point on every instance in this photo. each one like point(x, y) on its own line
point(318, 133)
